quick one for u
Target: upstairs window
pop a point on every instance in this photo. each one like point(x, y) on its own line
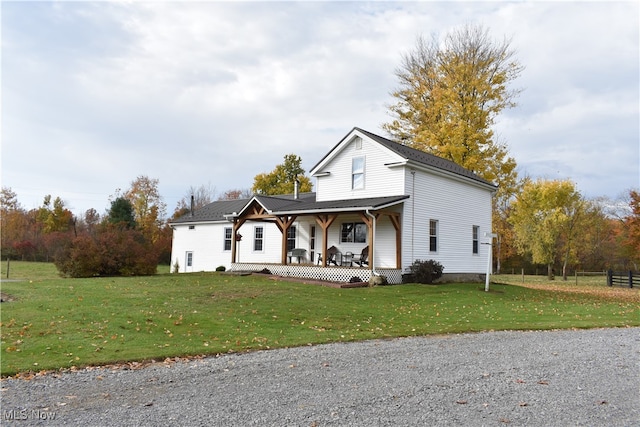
point(433, 235)
point(357, 173)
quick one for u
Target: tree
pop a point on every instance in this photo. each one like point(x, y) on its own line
point(235, 194)
point(14, 224)
point(202, 196)
point(121, 212)
point(630, 239)
point(545, 218)
point(148, 206)
point(281, 180)
point(449, 96)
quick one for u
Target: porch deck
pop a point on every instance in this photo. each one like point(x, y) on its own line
point(316, 272)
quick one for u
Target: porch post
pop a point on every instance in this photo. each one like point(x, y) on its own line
point(395, 220)
point(237, 223)
point(325, 221)
point(369, 221)
point(284, 223)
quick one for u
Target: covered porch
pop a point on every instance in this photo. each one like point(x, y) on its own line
point(381, 217)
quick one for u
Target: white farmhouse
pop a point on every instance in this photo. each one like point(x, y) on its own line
point(378, 207)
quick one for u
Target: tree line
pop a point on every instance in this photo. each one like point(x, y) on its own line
point(131, 238)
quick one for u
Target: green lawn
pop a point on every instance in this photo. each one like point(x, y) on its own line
point(58, 323)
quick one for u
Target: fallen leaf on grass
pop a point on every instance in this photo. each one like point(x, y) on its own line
point(461, 402)
point(543, 382)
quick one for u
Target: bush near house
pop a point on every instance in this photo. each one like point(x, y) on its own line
point(115, 251)
point(426, 271)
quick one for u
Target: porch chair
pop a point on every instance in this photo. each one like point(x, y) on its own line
point(363, 259)
point(297, 253)
point(333, 254)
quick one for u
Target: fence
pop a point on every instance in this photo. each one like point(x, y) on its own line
point(624, 278)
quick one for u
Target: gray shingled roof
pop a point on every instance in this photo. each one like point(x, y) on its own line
point(213, 211)
point(416, 156)
point(285, 204)
point(424, 158)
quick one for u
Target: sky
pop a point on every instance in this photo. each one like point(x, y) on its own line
point(95, 94)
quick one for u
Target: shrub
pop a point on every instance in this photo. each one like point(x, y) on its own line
point(426, 271)
point(114, 251)
point(221, 268)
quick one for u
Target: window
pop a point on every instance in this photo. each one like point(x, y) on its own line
point(475, 238)
point(357, 173)
point(358, 143)
point(189, 260)
point(192, 227)
point(228, 231)
point(291, 237)
point(258, 237)
point(353, 232)
point(433, 235)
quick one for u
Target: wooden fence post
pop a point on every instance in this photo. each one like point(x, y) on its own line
point(610, 277)
point(630, 279)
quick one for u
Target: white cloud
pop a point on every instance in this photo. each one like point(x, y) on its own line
point(95, 94)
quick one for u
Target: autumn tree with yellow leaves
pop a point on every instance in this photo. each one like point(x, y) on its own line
point(449, 96)
point(282, 179)
point(546, 218)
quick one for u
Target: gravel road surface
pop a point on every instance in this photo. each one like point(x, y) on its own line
point(552, 378)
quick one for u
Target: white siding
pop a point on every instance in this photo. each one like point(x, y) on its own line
point(205, 241)
point(379, 180)
point(457, 206)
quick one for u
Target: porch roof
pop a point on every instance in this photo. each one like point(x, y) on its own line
point(285, 205)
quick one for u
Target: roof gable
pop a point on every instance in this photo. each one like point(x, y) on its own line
point(403, 153)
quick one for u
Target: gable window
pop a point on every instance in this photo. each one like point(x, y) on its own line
point(433, 235)
point(357, 173)
point(291, 238)
point(192, 227)
point(353, 232)
point(227, 238)
point(258, 237)
point(358, 143)
point(475, 238)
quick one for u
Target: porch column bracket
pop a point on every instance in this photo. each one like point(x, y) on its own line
point(284, 223)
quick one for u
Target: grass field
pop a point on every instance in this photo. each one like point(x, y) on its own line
point(60, 323)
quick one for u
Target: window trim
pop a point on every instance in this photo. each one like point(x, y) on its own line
point(433, 235)
point(353, 232)
point(226, 239)
point(359, 173)
point(257, 239)
point(475, 241)
point(291, 239)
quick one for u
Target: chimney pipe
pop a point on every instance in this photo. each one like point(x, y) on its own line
point(192, 203)
point(295, 188)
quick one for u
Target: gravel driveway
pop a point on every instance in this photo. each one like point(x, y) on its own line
point(553, 378)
